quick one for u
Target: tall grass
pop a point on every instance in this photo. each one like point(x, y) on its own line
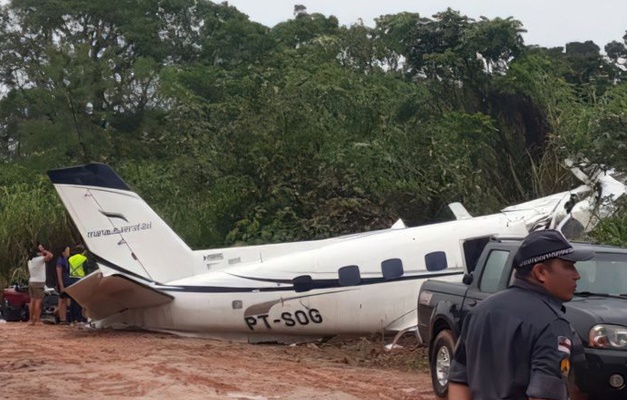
point(30, 212)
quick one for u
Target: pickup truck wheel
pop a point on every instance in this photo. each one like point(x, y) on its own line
point(441, 357)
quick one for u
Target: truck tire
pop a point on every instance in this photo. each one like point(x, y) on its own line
point(441, 357)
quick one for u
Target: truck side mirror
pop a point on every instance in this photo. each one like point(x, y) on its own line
point(467, 279)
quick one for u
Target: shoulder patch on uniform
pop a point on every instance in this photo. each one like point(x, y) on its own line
point(564, 344)
point(565, 367)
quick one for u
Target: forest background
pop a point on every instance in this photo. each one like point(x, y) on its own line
point(237, 133)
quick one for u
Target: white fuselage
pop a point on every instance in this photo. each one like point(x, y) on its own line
point(148, 277)
point(249, 292)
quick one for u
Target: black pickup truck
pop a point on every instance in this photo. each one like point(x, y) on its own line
point(598, 313)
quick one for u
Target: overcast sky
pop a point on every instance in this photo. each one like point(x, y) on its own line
point(549, 22)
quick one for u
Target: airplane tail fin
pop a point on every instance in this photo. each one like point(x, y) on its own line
point(118, 227)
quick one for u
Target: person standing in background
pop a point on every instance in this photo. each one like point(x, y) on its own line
point(77, 272)
point(37, 281)
point(51, 272)
point(63, 280)
point(517, 343)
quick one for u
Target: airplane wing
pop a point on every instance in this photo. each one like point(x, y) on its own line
point(459, 211)
point(575, 211)
point(407, 322)
point(399, 224)
point(102, 296)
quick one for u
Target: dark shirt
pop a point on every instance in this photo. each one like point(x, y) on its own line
point(51, 273)
point(65, 270)
point(515, 344)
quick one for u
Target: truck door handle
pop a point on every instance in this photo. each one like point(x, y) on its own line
point(472, 303)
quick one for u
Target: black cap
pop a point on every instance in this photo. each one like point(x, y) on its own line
point(540, 246)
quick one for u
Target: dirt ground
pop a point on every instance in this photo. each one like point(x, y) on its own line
point(51, 361)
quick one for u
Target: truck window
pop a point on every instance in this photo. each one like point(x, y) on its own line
point(493, 271)
point(472, 251)
point(606, 273)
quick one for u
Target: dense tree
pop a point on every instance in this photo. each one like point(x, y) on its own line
point(617, 53)
point(93, 69)
point(305, 29)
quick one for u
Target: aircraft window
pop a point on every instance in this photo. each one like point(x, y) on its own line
point(436, 261)
point(493, 271)
point(302, 283)
point(392, 268)
point(349, 275)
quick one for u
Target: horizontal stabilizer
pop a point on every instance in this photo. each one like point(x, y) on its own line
point(103, 296)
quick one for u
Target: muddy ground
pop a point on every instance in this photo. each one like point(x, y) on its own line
point(51, 361)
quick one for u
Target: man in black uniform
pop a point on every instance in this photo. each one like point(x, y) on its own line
point(517, 344)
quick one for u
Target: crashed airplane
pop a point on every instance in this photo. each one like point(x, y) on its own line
point(147, 277)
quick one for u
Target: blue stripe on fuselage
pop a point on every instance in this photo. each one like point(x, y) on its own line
point(316, 284)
